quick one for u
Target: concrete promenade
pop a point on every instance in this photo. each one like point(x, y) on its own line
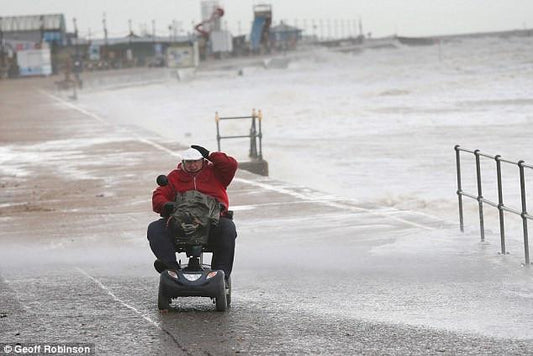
point(314, 274)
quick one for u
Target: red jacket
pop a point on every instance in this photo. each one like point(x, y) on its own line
point(212, 179)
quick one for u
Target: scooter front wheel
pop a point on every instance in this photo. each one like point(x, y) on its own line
point(220, 299)
point(163, 302)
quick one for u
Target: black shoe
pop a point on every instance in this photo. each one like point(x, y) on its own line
point(161, 266)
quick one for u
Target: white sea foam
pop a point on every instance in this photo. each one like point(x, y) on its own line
point(370, 127)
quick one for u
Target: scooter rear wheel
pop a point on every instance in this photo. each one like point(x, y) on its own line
point(228, 291)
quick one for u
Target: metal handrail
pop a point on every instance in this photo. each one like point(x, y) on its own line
point(255, 134)
point(502, 208)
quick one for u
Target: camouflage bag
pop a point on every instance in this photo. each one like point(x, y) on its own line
point(194, 215)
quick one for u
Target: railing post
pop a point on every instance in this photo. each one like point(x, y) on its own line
point(253, 134)
point(260, 135)
point(497, 158)
point(217, 119)
point(459, 188)
point(524, 210)
point(480, 196)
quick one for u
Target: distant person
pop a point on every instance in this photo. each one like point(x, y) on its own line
point(207, 173)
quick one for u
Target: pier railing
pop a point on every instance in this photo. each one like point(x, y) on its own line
point(502, 208)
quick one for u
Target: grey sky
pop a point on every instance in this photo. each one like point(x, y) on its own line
point(381, 17)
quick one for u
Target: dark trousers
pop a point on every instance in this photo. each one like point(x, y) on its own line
point(221, 241)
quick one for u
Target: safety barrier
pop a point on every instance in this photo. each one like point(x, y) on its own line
point(502, 208)
point(257, 164)
point(254, 135)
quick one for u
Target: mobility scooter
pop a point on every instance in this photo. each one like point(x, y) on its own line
point(195, 279)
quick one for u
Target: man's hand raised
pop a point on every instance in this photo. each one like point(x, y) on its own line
point(203, 151)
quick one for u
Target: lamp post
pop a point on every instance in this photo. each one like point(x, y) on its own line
point(41, 28)
point(77, 63)
point(129, 52)
point(104, 23)
point(2, 58)
point(153, 31)
point(76, 36)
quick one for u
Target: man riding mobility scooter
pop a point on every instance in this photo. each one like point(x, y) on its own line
point(193, 202)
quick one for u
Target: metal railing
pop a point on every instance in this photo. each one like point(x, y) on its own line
point(502, 208)
point(255, 135)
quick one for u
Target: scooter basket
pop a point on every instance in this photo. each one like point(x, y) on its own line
point(190, 234)
point(193, 217)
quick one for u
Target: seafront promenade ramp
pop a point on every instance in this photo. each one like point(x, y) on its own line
point(314, 273)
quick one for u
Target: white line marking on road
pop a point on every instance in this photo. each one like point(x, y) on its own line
point(117, 299)
point(148, 319)
point(75, 107)
point(102, 120)
point(247, 181)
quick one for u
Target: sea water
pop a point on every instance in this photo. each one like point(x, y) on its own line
point(377, 126)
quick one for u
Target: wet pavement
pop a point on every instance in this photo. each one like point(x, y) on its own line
point(314, 274)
